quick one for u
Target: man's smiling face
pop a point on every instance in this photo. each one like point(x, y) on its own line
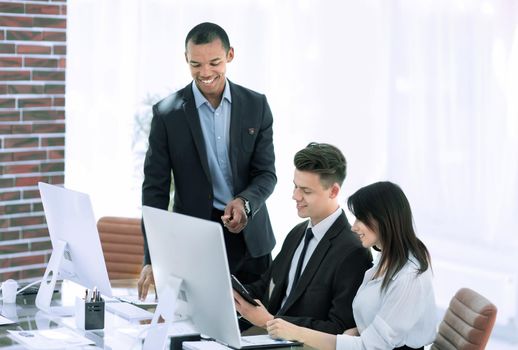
point(208, 65)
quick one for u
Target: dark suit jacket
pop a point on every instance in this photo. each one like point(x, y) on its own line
point(322, 299)
point(176, 145)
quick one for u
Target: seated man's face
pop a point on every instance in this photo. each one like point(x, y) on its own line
point(313, 199)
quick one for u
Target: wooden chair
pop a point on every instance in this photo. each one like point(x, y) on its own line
point(467, 324)
point(123, 246)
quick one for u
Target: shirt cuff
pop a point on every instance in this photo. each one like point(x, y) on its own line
point(348, 342)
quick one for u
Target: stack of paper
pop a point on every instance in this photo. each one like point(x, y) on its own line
point(203, 345)
point(55, 338)
point(4, 320)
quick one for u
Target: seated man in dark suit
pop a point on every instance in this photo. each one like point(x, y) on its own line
point(314, 278)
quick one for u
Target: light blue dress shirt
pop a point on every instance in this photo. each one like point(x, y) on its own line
point(215, 124)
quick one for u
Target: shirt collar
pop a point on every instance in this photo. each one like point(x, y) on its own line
point(199, 99)
point(412, 263)
point(320, 229)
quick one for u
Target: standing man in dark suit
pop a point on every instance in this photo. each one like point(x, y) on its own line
point(314, 278)
point(214, 139)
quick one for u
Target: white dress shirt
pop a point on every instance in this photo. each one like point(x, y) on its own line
point(403, 314)
point(319, 230)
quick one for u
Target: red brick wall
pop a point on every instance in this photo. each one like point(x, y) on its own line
point(32, 128)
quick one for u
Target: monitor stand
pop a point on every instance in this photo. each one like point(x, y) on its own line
point(48, 283)
point(156, 337)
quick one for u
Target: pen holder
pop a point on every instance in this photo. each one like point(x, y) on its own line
point(89, 314)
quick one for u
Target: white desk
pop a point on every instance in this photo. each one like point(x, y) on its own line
point(29, 317)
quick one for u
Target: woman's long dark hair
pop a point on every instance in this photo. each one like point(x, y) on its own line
point(384, 208)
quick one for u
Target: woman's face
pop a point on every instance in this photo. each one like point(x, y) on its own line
point(368, 237)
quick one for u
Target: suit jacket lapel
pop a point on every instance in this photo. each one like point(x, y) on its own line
point(193, 119)
point(280, 289)
point(236, 122)
point(314, 261)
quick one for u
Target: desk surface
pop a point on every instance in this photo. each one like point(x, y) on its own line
point(29, 317)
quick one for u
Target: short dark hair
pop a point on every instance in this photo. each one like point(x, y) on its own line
point(385, 209)
point(323, 159)
point(207, 32)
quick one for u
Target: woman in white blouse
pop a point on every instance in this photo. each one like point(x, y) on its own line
point(394, 307)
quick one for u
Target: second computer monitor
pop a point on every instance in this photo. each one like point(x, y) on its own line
point(70, 219)
point(193, 250)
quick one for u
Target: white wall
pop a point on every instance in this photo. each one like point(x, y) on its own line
point(423, 93)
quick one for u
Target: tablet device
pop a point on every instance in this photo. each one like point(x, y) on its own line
point(238, 287)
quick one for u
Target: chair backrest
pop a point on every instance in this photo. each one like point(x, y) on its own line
point(467, 323)
point(123, 246)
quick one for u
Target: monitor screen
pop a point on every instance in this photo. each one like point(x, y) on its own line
point(70, 219)
point(193, 250)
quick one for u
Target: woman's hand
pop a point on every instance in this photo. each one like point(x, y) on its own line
point(352, 331)
point(281, 329)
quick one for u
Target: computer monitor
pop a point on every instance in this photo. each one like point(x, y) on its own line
point(77, 253)
point(190, 253)
point(193, 250)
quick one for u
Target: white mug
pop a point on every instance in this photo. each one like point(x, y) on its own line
point(9, 289)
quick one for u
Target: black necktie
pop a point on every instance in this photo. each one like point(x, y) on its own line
point(307, 238)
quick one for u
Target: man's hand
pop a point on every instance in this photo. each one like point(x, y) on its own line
point(146, 279)
point(257, 315)
point(235, 218)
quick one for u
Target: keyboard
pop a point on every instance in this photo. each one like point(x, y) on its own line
point(128, 311)
point(133, 299)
